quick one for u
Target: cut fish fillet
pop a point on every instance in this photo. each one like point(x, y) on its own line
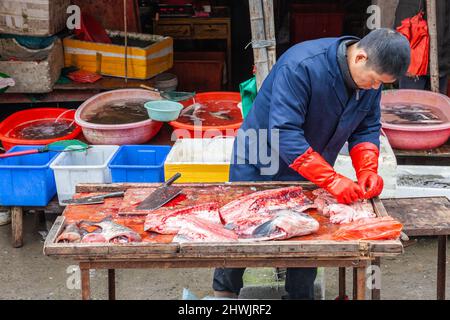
point(341, 213)
point(200, 230)
point(170, 222)
point(285, 224)
point(257, 202)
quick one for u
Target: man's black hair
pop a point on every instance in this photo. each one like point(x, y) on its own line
point(388, 52)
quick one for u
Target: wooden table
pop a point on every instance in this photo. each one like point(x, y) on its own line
point(17, 219)
point(292, 253)
point(73, 92)
point(425, 217)
point(434, 157)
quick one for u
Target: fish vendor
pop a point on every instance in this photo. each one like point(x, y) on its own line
point(318, 96)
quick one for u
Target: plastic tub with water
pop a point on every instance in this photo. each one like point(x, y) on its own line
point(26, 119)
point(429, 134)
point(136, 131)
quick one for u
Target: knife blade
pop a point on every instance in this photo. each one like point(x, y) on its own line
point(93, 199)
point(161, 196)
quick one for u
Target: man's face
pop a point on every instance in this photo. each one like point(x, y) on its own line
point(364, 76)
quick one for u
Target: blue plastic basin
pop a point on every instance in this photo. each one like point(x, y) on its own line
point(27, 180)
point(139, 163)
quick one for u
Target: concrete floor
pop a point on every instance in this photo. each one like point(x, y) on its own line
point(26, 273)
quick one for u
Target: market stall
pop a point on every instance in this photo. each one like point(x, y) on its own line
point(158, 251)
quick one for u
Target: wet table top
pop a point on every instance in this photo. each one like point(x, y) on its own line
point(421, 216)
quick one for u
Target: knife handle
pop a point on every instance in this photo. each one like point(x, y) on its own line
point(112, 195)
point(172, 180)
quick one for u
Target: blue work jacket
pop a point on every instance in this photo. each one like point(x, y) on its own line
point(303, 103)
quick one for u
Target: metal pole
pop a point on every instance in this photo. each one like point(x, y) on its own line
point(434, 60)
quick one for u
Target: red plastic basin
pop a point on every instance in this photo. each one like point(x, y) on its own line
point(417, 137)
point(22, 117)
point(184, 130)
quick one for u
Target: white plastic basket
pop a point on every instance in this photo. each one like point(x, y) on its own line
point(72, 168)
point(200, 160)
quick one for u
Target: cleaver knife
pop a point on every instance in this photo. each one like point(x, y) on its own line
point(93, 199)
point(161, 196)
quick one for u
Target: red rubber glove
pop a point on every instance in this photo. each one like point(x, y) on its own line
point(316, 169)
point(365, 161)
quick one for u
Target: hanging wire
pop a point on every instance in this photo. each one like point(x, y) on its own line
point(125, 19)
point(258, 44)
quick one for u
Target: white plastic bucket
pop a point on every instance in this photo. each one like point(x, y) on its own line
point(5, 216)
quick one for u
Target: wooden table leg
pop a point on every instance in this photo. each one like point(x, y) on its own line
point(361, 283)
point(85, 283)
point(342, 290)
point(112, 284)
point(17, 226)
point(441, 267)
point(376, 292)
point(355, 281)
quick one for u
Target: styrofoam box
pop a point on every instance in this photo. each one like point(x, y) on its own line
point(34, 71)
point(72, 168)
point(433, 175)
point(200, 160)
point(33, 17)
point(387, 167)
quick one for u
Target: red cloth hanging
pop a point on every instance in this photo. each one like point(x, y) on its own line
point(415, 29)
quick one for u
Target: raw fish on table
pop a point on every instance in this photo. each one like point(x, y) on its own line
point(284, 224)
point(71, 234)
point(270, 214)
point(265, 201)
point(170, 222)
point(109, 231)
point(341, 213)
point(200, 230)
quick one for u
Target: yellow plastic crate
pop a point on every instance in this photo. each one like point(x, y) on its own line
point(200, 160)
point(109, 59)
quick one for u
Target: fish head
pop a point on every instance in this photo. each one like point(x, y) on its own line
point(93, 237)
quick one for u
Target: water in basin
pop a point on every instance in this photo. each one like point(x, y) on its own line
point(412, 114)
point(42, 129)
point(211, 113)
point(117, 112)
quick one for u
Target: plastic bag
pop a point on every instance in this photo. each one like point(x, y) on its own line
point(248, 91)
point(82, 76)
point(384, 228)
point(415, 29)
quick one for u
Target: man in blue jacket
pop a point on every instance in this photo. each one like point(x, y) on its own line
point(319, 95)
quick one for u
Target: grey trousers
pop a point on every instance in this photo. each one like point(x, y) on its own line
point(299, 281)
